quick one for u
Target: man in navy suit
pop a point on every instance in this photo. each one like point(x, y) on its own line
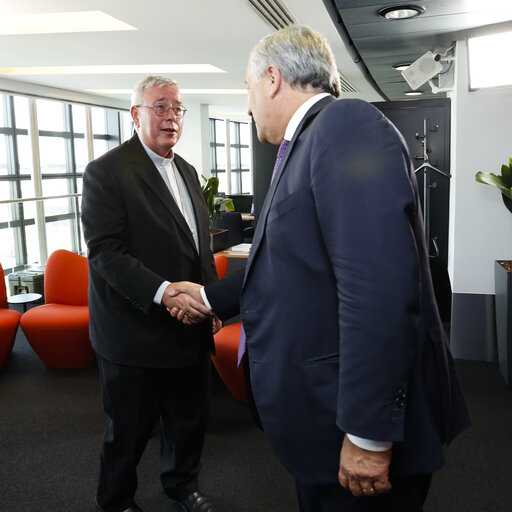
point(350, 370)
point(146, 225)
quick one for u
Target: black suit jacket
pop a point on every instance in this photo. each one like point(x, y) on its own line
point(137, 238)
point(343, 332)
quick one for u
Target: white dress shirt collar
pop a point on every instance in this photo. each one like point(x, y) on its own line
point(300, 113)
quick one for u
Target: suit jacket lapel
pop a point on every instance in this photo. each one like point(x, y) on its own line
point(260, 228)
point(148, 173)
point(197, 199)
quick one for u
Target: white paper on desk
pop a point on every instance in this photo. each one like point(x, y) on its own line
point(241, 248)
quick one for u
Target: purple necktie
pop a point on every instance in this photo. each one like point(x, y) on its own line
point(242, 343)
point(280, 154)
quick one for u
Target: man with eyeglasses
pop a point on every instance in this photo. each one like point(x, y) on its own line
point(146, 226)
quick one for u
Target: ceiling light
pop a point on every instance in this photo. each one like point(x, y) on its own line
point(413, 93)
point(214, 91)
point(112, 69)
point(402, 66)
point(60, 22)
point(401, 12)
point(183, 91)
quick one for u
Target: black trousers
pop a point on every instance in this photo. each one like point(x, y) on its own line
point(135, 399)
point(407, 495)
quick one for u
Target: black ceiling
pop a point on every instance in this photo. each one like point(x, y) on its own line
point(382, 43)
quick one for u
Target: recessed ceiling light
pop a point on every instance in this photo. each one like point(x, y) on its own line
point(60, 22)
point(183, 91)
point(112, 69)
point(401, 66)
point(401, 12)
point(414, 93)
point(214, 91)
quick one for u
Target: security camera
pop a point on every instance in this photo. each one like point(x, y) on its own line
point(423, 69)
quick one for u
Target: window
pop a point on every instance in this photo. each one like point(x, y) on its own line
point(239, 147)
point(44, 148)
point(16, 219)
point(230, 156)
point(488, 56)
point(218, 152)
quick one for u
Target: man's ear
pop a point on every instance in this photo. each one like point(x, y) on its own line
point(275, 80)
point(135, 116)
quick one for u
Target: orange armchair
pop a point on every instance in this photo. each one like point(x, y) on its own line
point(226, 347)
point(9, 321)
point(58, 331)
point(221, 265)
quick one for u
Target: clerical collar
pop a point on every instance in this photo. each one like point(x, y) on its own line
point(157, 159)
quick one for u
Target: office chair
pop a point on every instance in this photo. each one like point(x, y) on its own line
point(232, 221)
point(242, 202)
point(58, 331)
point(9, 321)
point(226, 347)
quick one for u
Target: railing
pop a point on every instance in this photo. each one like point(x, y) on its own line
point(31, 228)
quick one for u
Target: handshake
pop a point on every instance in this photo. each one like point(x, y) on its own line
point(184, 302)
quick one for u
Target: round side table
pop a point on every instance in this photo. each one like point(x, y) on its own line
point(24, 299)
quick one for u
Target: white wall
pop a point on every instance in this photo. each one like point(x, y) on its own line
point(480, 225)
point(194, 145)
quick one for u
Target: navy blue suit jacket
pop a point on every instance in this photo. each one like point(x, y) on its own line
point(342, 328)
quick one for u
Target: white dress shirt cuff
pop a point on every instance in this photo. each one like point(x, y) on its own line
point(160, 292)
point(205, 299)
point(368, 444)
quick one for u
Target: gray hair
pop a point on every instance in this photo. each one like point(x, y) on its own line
point(303, 57)
point(147, 83)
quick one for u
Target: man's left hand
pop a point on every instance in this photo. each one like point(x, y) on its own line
point(363, 472)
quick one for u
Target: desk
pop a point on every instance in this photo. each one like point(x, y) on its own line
point(236, 259)
point(24, 299)
point(243, 251)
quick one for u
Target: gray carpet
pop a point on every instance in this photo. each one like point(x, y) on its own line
point(52, 423)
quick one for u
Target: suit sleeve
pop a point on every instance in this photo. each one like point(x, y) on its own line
point(224, 295)
point(104, 220)
point(366, 206)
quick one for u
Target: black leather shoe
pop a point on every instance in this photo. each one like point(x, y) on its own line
point(133, 508)
point(195, 502)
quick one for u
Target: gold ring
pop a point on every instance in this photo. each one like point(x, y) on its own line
point(371, 490)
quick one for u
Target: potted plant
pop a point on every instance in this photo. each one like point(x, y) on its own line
point(502, 276)
point(218, 237)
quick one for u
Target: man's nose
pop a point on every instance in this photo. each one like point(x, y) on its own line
point(172, 115)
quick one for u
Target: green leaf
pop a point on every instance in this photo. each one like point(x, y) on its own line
point(489, 178)
point(214, 204)
point(503, 182)
point(507, 176)
point(507, 201)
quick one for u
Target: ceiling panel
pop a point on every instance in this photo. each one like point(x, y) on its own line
point(382, 43)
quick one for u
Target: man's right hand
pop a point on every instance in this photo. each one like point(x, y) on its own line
point(184, 300)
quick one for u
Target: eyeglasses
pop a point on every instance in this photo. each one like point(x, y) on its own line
point(161, 109)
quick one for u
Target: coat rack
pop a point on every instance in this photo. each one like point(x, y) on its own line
point(424, 168)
